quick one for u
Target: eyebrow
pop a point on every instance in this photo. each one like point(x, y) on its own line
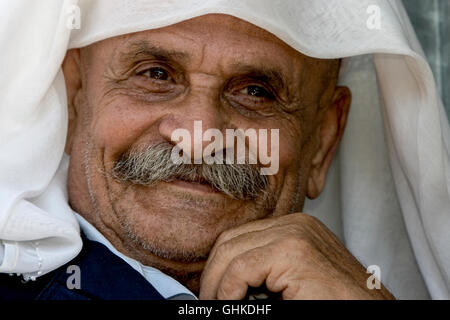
point(263, 73)
point(143, 49)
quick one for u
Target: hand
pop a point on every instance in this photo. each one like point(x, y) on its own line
point(294, 254)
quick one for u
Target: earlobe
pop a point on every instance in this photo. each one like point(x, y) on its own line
point(331, 132)
point(72, 77)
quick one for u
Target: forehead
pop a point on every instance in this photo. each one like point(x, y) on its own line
point(216, 35)
point(221, 25)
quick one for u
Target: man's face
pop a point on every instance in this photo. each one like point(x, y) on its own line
point(131, 92)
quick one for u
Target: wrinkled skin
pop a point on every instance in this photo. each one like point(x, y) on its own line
point(136, 89)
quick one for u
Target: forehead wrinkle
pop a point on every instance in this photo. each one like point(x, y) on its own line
point(142, 49)
point(230, 23)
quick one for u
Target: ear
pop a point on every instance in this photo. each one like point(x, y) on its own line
point(331, 131)
point(72, 77)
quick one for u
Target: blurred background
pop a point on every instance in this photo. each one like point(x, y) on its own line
point(431, 20)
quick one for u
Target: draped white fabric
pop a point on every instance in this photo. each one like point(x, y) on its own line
point(388, 192)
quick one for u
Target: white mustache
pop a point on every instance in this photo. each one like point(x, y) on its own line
point(153, 164)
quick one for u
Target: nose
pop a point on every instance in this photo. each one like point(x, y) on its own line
point(199, 111)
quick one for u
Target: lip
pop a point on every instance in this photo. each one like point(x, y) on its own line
point(195, 186)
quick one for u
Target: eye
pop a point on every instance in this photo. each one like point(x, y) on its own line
point(156, 73)
point(256, 91)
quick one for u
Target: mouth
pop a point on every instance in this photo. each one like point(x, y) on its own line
point(200, 185)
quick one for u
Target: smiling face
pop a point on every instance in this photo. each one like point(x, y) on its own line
point(133, 91)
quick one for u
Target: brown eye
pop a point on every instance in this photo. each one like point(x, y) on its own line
point(256, 91)
point(156, 73)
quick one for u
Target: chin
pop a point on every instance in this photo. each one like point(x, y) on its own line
point(191, 245)
point(175, 223)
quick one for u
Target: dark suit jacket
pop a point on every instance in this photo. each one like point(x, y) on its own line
point(104, 276)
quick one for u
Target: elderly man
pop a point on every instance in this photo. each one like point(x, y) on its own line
point(213, 230)
point(135, 90)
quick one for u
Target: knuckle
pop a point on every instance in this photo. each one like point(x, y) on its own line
point(222, 251)
point(297, 244)
point(306, 218)
point(237, 265)
point(224, 236)
point(292, 230)
point(292, 291)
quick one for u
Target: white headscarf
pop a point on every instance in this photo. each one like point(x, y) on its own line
point(388, 191)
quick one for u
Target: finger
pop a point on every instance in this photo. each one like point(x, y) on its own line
point(254, 226)
point(257, 225)
point(251, 233)
point(263, 224)
point(224, 253)
point(281, 270)
point(248, 269)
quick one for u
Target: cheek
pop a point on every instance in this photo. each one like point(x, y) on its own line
point(289, 159)
point(284, 145)
point(290, 150)
point(121, 124)
point(282, 149)
point(290, 163)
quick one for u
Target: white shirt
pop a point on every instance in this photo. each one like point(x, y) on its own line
point(168, 287)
